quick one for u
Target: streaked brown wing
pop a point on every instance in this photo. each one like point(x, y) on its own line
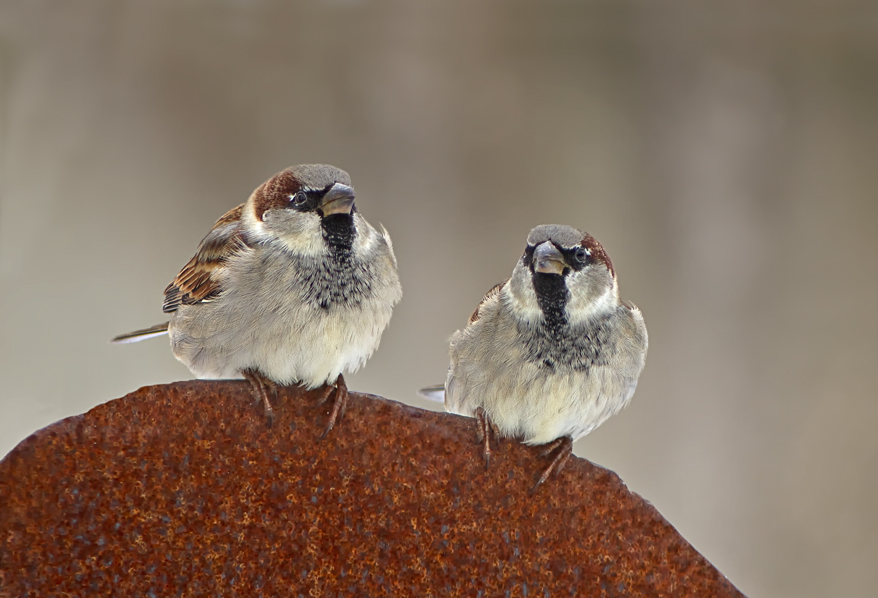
point(495, 290)
point(197, 281)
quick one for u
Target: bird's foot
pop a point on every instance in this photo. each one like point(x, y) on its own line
point(564, 446)
point(339, 403)
point(261, 385)
point(486, 428)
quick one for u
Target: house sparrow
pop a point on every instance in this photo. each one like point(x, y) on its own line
point(291, 287)
point(551, 353)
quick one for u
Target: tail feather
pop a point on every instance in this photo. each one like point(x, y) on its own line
point(141, 335)
point(433, 393)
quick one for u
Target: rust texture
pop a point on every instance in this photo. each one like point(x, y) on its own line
point(182, 490)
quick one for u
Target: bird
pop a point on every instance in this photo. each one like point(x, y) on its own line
point(292, 287)
point(549, 354)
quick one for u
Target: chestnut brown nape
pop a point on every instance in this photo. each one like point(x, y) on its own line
point(598, 254)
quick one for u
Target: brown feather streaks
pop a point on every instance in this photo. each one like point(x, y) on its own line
point(197, 281)
point(495, 290)
point(597, 252)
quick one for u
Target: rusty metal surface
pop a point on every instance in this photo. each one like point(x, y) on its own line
point(182, 490)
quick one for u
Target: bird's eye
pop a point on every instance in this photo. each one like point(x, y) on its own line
point(581, 255)
point(299, 199)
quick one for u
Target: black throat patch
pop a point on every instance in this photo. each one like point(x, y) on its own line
point(552, 295)
point(555, 345)
point(343, 280)
point(339, 232)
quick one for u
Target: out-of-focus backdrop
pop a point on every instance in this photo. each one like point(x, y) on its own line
point(725, 154)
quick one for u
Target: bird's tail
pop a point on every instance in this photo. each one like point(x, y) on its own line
point(140, 335)
point(433, 393)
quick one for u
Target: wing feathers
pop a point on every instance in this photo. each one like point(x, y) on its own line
point(198, 280)
point(495, 290)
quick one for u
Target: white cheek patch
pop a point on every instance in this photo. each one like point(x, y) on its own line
point(299, 233)
point(365, 237)
point(582, 305)
point(306, 242)
point(520, 295)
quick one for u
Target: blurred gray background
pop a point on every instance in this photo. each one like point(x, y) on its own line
point(725, 155)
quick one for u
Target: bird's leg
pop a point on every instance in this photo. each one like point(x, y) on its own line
point(496, 429)
point(558, 461)
point(486, 427)
point(260, 385)
point(271, 384)
point(339, 403)
point(327, 391)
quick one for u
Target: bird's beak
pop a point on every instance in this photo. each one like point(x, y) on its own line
point(548, 260)
point(338, 200)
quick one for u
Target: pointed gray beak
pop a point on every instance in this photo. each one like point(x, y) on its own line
point(338, 200)
point(548, 260)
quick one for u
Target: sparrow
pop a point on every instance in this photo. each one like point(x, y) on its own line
point(551, 353)
point(291, 287)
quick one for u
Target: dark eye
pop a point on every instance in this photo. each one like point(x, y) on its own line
point(299, 199)
point(581, 255)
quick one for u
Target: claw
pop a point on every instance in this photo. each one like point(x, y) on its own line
point(339, 403)
point(485, 428)
point(260, 384)
point(561, 457)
